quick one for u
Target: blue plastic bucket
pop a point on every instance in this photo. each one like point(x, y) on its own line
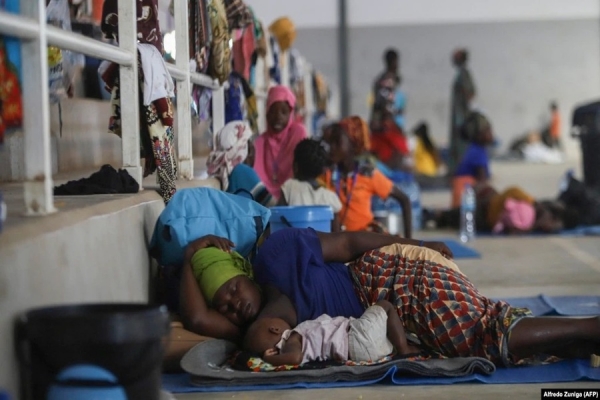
point(317, 217)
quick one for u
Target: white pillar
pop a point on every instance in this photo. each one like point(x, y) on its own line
point(38, 184)
point(130, 119)
point(284, 63)
point(218, 110)
point(261, 88)
point(309, 97)
point(184, 92)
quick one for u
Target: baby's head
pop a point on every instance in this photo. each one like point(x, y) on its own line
point(263, 334)
point(310, 160)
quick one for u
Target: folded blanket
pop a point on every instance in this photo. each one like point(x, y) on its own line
point(210, 364)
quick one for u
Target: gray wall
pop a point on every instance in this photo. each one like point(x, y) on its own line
point(518, 68)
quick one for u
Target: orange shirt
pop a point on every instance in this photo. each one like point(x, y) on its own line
point(555, 125)
point(356, 215)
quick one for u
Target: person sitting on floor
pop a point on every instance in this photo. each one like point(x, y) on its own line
point(356, 180)
point(310, 161)
point(426, 155)
point(226, 162)
point(474, 169)
point(275, 147)
point(369, 338)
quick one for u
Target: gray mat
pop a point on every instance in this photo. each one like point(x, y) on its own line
point(206, 363)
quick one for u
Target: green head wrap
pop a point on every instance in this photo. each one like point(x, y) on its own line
point(213, 267)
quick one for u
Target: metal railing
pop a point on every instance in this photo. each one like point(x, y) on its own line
point(30, 26)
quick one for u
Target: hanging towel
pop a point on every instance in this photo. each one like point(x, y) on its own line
point(157, 80)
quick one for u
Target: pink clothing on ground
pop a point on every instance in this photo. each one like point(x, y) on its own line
point(324, 338)
point(275, 150)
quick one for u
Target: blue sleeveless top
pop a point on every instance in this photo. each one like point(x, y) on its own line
point(292, 261)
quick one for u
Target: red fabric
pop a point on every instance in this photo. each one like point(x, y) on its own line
point(11, 106)
point(242, 52)
point(388, 141)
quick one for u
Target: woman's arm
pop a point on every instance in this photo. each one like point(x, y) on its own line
point(196, 314)
point(336, 224)
point(282, 201)
point(404, 201)
point(348, 246)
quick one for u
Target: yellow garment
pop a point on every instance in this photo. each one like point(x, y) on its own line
point(424, 161)
point(419, 254)
point(284, 31)
point(496, 205)
point(213, 267)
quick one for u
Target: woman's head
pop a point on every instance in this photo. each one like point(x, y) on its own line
point(230, 148)
point(225, 282)
point(478, 129)
point(357, 130)
point(264, 334)
point(422, 132)
point(280, 106)
point(341, 149)
point(460, 57)
point(310, 160)
point(391, 59)
point(238, 300)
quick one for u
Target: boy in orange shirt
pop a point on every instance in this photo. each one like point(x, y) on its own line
point(356, 180)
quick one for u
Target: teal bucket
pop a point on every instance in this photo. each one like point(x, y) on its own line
point(317, 217)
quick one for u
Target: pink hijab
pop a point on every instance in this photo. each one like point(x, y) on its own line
point(275, 150)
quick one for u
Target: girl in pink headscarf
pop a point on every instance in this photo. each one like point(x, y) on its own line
point(275, 147)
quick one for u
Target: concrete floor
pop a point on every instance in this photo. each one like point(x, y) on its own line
point(510, 267)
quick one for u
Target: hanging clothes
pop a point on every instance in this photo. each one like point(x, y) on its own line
point(200, 34)
point(321, 92)
point(156, 117)
point(148, 29)
point(259, 35)
point(156, 131)
point(234, 100)
point(157, 80)
point(284, 31)
point(238, 14)
point(273, 61)
point(11, 105)
point(243, 48)
point(219, 63)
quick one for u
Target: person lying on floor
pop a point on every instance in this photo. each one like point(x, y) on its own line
point(356, 180)
point(228, 163)
point(369, 338)
point(310, 161)
point(474, 168)
point(300, 274)
point(512, 211)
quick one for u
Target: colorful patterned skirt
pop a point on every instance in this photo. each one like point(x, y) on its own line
point(437, 303)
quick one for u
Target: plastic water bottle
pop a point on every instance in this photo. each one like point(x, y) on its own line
point(2, 213)
point(467, 214)
point(411, 188)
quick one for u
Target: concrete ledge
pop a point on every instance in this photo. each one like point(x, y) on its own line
point(94, 250)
